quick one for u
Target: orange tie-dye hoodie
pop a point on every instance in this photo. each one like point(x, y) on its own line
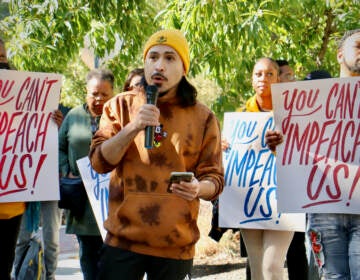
point(143, 216)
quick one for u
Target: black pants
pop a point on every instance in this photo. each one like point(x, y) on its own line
point(296, 258)
point(89, 251)
point(9, 231)
point(116, 263)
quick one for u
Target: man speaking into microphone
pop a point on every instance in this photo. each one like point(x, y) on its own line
point(152, 223)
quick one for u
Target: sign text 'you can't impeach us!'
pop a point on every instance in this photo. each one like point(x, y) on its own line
point(320, 156)
point(28, 136)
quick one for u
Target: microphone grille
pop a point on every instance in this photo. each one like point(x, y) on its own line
point(151, 89)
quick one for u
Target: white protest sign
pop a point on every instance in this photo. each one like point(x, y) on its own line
point(318, 163)
point(28, 136)
point(97, 189)
point(249, 198)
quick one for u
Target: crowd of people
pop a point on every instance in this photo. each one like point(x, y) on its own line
point(152, 222)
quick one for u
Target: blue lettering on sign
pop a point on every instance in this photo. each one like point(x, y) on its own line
point(249, 170)
point(100, 190)
point(264, 212)
point(243, 132)
point(252, 170)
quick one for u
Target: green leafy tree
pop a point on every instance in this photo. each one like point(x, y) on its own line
point(226, 37)
point(47, 36)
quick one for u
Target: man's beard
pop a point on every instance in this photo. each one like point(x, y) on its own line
point(4, 65)
point(355, 68)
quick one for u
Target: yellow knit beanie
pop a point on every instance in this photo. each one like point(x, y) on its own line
point(172, 38)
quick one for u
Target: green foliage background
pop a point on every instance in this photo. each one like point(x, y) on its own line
point(226, 37)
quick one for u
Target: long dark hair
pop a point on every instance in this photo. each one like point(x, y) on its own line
point(132, 73)
point(186, 92)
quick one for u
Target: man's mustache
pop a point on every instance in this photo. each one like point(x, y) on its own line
point(157, 74)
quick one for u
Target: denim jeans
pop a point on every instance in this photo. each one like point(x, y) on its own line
point(50, 220)
point(336, 239)
point(313, 272)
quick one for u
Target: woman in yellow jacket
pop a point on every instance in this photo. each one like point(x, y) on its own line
point(266, 248)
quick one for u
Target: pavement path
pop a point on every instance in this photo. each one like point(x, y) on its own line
point(68, 264)
point(68, 268)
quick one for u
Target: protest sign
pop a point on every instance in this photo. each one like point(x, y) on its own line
point(97, 189)
point(28, 136)
point(249, 196)
point(318, 163)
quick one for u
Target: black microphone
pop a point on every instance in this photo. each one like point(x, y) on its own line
point(151, 98)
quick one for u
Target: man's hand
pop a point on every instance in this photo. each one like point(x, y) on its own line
point(186, 190)
point(273, 138)
point(148, 115)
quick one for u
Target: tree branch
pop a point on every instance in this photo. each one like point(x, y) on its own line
point(327, 32)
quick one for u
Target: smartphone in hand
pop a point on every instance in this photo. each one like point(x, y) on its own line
point(176, 177)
